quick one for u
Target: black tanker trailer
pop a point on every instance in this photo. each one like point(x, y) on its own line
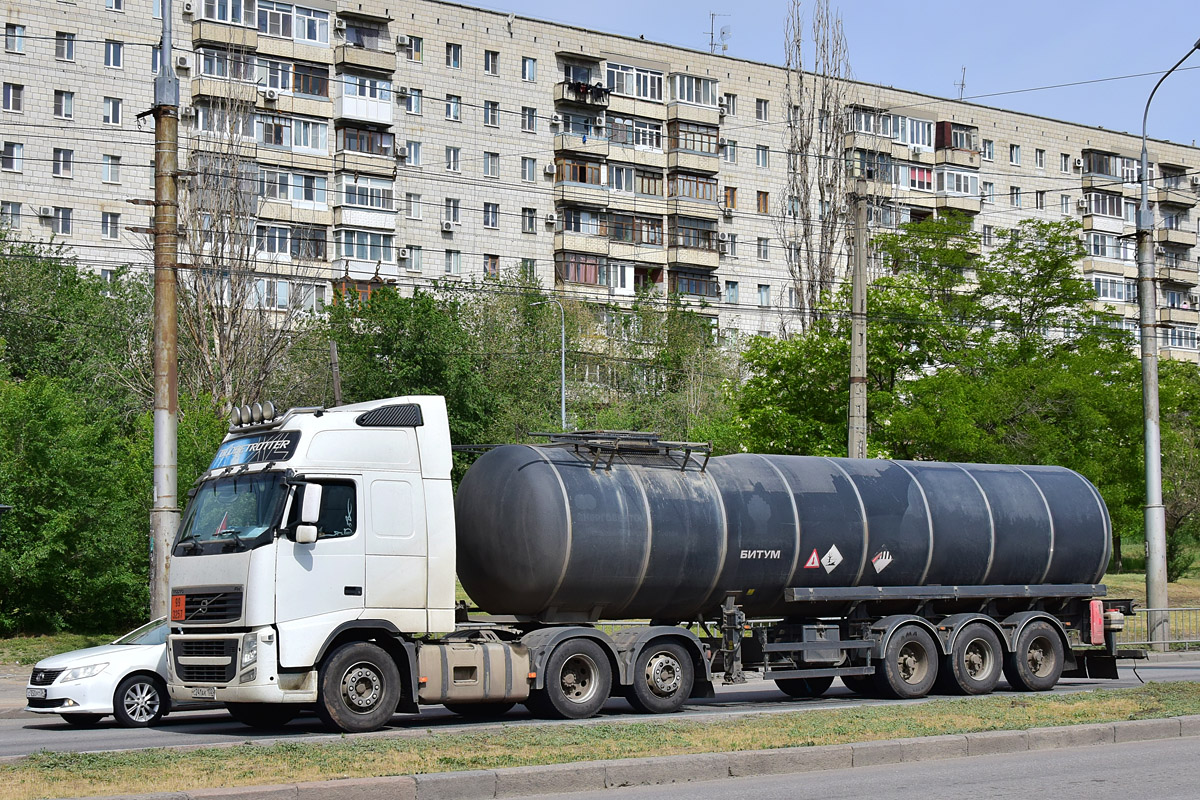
point(895, 576)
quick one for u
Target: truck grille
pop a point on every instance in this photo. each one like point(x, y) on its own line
point(44, 677)
point(223, 649)
point(219, 604)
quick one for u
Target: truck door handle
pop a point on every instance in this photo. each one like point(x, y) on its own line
point(353, 591)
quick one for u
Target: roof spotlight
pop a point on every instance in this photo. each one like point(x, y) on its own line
point(235, 416)
point(268, 410)
point(256, 412)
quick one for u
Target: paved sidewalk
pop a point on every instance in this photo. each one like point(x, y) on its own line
point(13, 678)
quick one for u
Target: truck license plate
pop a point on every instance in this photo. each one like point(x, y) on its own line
point(35, 694)
point(204, 693)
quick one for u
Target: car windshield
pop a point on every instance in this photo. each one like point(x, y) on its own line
point(231, 513)
point(151, 633)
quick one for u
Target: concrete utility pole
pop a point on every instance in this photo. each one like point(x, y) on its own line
point(337, 373)
point(858, 327)
point(164, 514)
point(1155, 518)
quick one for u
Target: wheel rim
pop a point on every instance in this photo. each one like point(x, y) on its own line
point(362, 688)
point(664, 673)
point(978, 658)
point(912, 663)
point(577, 679)
point(1041, 657)
point(141, 702)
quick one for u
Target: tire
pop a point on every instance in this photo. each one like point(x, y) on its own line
point(663, 675)
point(860, 684)
point(975, 664)
point(140, 701)
point(1036, 661)
point(263, 716)
point(81, 720)
point(910, 664)
point(803, 687)
point(578, 681)
point(479, 710)
point(358, 688)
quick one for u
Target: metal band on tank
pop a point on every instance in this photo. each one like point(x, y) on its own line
point(720, 562)
point(1049, 518)
point(567, 507)
point(862, 565)
point(928, 520)
point(641, 580)
point(1103, 565)
point(987, 503)
point(795, 516)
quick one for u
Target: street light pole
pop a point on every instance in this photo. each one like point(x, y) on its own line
point(562, 362)
point(1155, 517)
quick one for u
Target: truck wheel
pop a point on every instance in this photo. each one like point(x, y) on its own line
point(1036, 662)
point(263, 716)
point(140, 700)
point(860, 684)
point(662, 679)
point(910, 664)
point(81, 720)
point(803, 687)
point(479, 710)
point(974, 666)
point(358, 688)
point(578, 681)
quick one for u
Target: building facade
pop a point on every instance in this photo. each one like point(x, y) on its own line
point(405, 142)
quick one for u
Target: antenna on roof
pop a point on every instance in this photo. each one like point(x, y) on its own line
point(713, 41)
point(962, 83)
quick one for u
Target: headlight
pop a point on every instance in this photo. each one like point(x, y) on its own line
point(249, 649)
point(79, 673)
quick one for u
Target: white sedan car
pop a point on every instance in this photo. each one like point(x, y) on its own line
point(127, 679)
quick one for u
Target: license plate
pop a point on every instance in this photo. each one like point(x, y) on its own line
point(35, 694)
point(204, 693)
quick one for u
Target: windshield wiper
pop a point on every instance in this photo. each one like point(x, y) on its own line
point(189, 541)
point(234, 533)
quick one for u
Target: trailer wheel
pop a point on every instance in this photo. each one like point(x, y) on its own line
point(578, 680)
point(1036, 662)
point(479, 710)
point(263, 716)
point(662, 679)
point(860, 684)
point(910, 664)
point(974, 666)
point(803, 687)
point(358, 688)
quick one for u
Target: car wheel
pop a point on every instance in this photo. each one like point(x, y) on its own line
point(82, 720)
point(140, 701)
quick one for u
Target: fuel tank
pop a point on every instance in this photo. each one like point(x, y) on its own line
point(547, 533)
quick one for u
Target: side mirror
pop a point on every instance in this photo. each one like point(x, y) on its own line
point(310, 512)
point(306, 534)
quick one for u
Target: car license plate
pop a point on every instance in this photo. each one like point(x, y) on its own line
point(35, 694)
point(204, 693)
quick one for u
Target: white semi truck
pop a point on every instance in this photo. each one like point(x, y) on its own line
point(315, 568)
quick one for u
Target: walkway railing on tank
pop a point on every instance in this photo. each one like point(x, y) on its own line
point(1183, 627)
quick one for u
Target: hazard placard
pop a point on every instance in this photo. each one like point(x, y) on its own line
point(814, 561)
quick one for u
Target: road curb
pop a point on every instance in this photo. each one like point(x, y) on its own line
point(705, 767)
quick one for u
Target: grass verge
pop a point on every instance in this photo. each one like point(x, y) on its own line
point(81, 774)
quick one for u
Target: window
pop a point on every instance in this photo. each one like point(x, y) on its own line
point(582, 268)
point(416, 258)
point(960, 183)
point(692, 136)
point(155, 59)
point(731, 241)
point(762, 109)
point(454, 107)
point(1039, 158)
point(362, 191)
point(1064, 162)
point(620, 178)
point(988, 150)
point(764, 248)
point(577, 171)
point(729, 101)
point(1014, 154)
point(453, 55)
point(314, 81)
point(412, 205)
point(61, 221)
point(491, 165)
point(450, 210)
point(1014, 196)
point(729, 151)
point(274, 18)
point(491, 265)
point(453, 262)
point(528, 220)
point(690, 89)
point(412, 103)
point(14, 97)
point(764, 294)
point(110, 225)
point(529, 269)
point(989, 192)
point(114, 53)
point(646, 84)
point(697, 187)
point(762, 156)
point(365, 245)
point(64, 104)
point(63, 162)
point(12, 156)
point(731, 197)
point(64, 46)
point(1039, 200)
point(648, 183)
point(309, 135)
point(920, 178)
point(112, 111)
point(14, 38)
point(988, 235)
point(491, 62)
point(491, 215)
point(412, 153)
point(413, 51)
point(764, 203)
point(491, 113)
point(528, 69)
point(528, 119)
point(238, 13)
point(10, 215)
point(114, 5)
point(640, 133)
point(1180, 336)
point(582, 221)
point(222, 64)
point(272, 239)
point(528, 169)
point(1105, 204)
point(452, 163)
point(110, 169)
point(273, 74)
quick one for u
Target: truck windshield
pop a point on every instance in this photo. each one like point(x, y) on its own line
point(231, 513)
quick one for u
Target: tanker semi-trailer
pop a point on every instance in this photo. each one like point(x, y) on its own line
point(315, 566)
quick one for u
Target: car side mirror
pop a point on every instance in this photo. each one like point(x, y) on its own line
point(310, 512)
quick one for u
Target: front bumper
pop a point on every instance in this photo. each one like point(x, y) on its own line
point(220, 676)
point(88, 696)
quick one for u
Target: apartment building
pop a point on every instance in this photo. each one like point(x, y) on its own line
point(405, 142)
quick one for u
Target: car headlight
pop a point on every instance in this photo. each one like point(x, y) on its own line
point(79, 673)
point(249, 649)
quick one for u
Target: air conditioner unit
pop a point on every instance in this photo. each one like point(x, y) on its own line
point(1196, 180)
point(1160, 251)
point(1081, 203)
point(187, 112)
point(722, 237)
point(447, 227)
point(402, 154)
point(552, 219)
point(189, 8)
point(339, 24)
point(183, 61)
point(556, 119)
point(402, 41)
point(722, 144)
point(271, 95)
point(723, 248)
point(402, 254)
point(1079, 163)
point(401, 93)
point(46, 211)
point(548, 170)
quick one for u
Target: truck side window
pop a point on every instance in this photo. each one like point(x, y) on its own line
point(339, 509)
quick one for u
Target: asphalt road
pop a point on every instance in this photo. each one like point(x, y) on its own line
point(30, 733)
point(1164, 770)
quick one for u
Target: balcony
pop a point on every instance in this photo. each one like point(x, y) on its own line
point(238, 91)
point(348, 55)
point(692, 286)
point(590, 96)
point(596, 146)
point(691, 161)
point(959, 158)
point(1104, 224)
point(208, 32)
point(357, 217)
point(1174, 197)
point(690, 207)
point(957, 202)
point(685, 252)
point(688, 112)
point(292, 50)
point(366, 109)
point(368, 163)
point(634, 107)
point(581, 243)
point(1109, 267)
point(1185, 275)
point(1187, 316)
point(1175, 236)
point(633, 251)
point(588, 194)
